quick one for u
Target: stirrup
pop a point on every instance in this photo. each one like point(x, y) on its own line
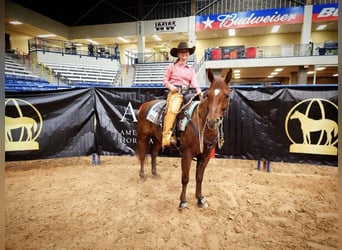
point(173, 141)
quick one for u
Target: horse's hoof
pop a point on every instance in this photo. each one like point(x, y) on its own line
point(156, 176)
point(183, 205)
point(201, 202)
point(141, 178)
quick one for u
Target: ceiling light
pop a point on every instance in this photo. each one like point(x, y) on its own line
point(274, 73)
point(275, 28)
point(123, 39)
point(310, 72)
point(278, 69)
point(320, 68)
point(157, 38)
point(321, 27)
point(236, 71)
point(231, 32)
point(15, 22)
point(270, 76)
point(335, 75)
point(92, 41)
point(46, 35)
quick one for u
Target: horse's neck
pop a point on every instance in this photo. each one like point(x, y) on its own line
point(304, 118)
point(201, 117)
point(201, 113)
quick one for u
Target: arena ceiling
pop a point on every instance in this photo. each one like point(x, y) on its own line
point(92, 12)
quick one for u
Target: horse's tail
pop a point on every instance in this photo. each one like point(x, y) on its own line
point(335, 129)
point(35, 126)
point(141, 106)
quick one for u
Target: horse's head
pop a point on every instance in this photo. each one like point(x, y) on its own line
point(295, 115)
point(217, 98)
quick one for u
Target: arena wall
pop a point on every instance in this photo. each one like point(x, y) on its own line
point(261, 123)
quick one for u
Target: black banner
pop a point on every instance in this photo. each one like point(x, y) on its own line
point(49, 124)
point(259, 125)
point(293, 124)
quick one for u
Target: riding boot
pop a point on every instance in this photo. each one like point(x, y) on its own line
point(169, 120)
point(174, 103)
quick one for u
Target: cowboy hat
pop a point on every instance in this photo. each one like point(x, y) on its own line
point(182, 46)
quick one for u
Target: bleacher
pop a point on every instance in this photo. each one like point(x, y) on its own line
point(149, 74)
point(15, 82)
point(19, 78)
point(14, 68)
point(78, 74)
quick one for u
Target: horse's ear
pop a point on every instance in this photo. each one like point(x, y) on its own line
point(210, 75)
point(228, 76)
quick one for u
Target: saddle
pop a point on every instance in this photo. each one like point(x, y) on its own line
point(156, 113)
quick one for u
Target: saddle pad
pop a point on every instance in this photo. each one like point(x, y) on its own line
point(187, 115)
point(154, 114)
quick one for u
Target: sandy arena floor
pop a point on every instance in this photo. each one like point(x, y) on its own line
point(69, 204)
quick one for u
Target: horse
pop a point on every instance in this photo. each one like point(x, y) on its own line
point(201, 134)
point(26, 123)
point(309, 125)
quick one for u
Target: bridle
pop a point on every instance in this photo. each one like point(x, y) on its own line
point(220, 135)
point(219, 127)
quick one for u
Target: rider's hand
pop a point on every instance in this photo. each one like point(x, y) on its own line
point(173, 89)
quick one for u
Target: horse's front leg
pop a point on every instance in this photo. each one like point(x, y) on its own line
point(202, 163)
point(186, 164)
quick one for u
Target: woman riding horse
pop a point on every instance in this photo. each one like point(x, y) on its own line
point(177, 78)
point(201, 134)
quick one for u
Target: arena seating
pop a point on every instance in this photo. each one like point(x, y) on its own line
point(19, 78)
point(80, 73)
point(14, 68)
point(16, 82)
point(149, 74)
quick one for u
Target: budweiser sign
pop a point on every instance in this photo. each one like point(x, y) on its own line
point(250, 19)
point(325, 12)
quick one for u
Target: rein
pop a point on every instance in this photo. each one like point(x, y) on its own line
point(220, 135)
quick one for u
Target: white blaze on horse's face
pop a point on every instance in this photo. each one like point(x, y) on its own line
point(216, 92)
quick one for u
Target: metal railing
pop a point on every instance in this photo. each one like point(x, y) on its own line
point(68, 47)
point(216, 53)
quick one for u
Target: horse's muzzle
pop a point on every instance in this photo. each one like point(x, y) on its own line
point(213, 124)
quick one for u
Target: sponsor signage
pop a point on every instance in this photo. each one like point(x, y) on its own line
point(325, 12)
point(250, 19)
point(165, 25)
point(297, 124)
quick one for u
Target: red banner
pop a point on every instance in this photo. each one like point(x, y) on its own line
point(250, 19)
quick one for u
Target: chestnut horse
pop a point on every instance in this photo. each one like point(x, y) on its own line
point(203, 131)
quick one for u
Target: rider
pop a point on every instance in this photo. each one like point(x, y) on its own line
point(178, 78)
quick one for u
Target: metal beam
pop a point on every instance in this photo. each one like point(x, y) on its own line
point(87, 12)
point(298, 2)
point(206, 7)
point(148, 13)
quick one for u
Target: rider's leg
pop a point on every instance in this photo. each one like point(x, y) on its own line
point(174, 103)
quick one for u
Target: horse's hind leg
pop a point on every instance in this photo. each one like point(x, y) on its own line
point(142, 146)
point(154, 153)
